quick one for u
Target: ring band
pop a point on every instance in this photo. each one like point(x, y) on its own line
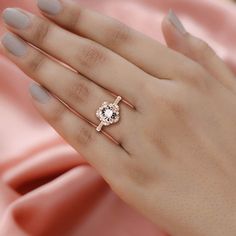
point(108, 113)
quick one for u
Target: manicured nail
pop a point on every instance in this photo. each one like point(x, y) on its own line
point(16, 18)
point(176, 22)
point(52, 7)
point(14, 45)
point(38, 93)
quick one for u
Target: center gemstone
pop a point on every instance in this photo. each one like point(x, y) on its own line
point(108, 113)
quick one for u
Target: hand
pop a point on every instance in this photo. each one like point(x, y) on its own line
point(172, 155)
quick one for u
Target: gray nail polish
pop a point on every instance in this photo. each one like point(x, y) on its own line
point(15, 18)
point(176, 22)
point(52, 7)
point(14, 45)
point(39, 93)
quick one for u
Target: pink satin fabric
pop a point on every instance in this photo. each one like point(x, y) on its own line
point(48, 189)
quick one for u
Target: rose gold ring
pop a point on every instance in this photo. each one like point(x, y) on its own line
point(108, 113)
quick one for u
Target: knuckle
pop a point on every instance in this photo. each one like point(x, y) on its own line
point(57, 113)
point(159, 139)
point(36, 62)
point(175, 106)
point(72, 18)
point(78, 92)
point(41, 31)
point(172, 105)
point(91, 55)
point(84, 136)
point(117, 34)
point(137, 174)
point(172, 102)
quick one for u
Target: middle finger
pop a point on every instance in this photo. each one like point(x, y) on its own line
point(79, 93)
point(96, 62)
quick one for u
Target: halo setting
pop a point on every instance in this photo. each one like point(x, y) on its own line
point(108, 113)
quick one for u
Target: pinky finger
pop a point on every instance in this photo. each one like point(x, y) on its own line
point(79, 134)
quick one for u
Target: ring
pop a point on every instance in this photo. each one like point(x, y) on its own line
point(108, 113)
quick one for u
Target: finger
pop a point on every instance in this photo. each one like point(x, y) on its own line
point(108, 160)
point(180, 40)
point(81, 94)
point(96, 62)
point(146, 53)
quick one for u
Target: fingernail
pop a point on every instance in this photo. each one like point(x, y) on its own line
point(16, 18)
point(176, 22)
point(52, 7)
point(38, 93)
point(14, 45)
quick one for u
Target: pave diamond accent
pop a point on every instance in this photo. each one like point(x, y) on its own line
point(108, 113)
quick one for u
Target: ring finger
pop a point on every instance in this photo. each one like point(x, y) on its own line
point(79, 93)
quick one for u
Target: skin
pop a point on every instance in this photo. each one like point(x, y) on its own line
point(172, 155)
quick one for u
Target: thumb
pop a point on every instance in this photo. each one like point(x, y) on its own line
point(179, 39)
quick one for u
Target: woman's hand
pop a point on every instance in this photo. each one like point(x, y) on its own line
point(172, 156)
